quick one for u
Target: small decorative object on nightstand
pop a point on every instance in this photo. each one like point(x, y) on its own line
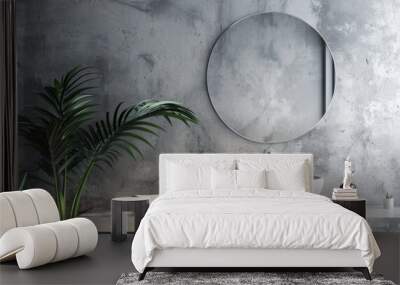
point(358, 206)
point(348, 190)
point(119, 214)
point(388, 202)
point(348, 173)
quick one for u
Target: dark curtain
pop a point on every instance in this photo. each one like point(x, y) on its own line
point(8, 98)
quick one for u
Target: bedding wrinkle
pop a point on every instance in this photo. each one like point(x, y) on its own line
point(250, 218)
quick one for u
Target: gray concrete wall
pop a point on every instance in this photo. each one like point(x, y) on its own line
point(159, 49)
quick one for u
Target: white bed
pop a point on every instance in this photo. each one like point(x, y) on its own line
point(248, 227)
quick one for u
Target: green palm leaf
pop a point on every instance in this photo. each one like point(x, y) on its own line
point(66, 107)
point(70, 147)
point(126, 133)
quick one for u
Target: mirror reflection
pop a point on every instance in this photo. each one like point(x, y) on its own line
point(270, 77)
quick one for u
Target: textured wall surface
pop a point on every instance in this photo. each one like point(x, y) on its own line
point(159, 49)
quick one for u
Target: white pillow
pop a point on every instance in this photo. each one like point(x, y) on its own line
point(282, 174)
point(289, 179)
point(223, 179)
point(182, 177)
point(251, 178)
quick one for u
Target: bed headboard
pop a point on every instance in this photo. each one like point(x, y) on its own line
point(209, 158)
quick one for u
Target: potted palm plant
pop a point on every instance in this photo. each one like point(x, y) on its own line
point(71, 144)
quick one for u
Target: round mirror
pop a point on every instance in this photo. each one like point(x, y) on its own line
point(270, 77)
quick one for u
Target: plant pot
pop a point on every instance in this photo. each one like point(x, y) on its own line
point(388, 203)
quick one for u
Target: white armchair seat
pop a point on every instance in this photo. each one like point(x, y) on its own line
point(31, 232)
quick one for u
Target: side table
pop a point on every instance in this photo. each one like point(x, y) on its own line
point(120, 207)
point(357, 206)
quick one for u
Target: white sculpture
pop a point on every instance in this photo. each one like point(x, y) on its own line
point(347, 174)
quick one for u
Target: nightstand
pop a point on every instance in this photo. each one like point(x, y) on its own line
point(120, 207)
point(357, 206)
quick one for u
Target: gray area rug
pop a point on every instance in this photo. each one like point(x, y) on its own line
point(269, 278)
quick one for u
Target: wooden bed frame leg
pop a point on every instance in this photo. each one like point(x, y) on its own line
point(364, 271)
point(143, 274)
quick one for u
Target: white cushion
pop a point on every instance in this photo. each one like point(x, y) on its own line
point(191, 174)
point(228, 161)
point(288, 177)
point(45, 206)
point(23, 208)
point(34, 244)
point(230, 180)
point(282, 174)
point(40, 244)
point(223, 179)
point(7, 220)
point(66, 237)
point(181, 177)
point(251, 178)
point(26, 208)
point(87, 233)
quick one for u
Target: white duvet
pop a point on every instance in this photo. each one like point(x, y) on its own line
point(252, 218)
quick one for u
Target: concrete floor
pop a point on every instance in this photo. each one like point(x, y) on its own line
point(111, 259)
point(103, 266)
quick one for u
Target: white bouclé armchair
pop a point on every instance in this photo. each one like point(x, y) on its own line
point(31, 231)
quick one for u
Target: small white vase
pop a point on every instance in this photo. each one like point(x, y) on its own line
point(317, 184)
point(388, 203)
